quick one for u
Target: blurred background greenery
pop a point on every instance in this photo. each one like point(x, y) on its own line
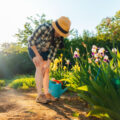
point(14, 59)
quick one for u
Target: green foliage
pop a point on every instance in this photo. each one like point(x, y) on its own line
point(2, 83)
point(15, 48)
point(89, 40)
point(58, 70)
point(75, 114)
point(23, 83)
point(87, 35)
point(29, 27)
point(109, 28)
point(58, 74)
point(101, 92)
point(14, 60)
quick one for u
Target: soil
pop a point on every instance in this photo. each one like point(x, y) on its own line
point(19, 105)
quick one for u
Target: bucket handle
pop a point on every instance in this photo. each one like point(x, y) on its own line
point(57, 81)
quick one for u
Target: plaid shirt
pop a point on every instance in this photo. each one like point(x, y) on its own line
point(44, 40)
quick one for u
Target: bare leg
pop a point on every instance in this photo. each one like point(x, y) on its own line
point(46, 76)
point(39, 80)
point(46, 82)
point(39, 77)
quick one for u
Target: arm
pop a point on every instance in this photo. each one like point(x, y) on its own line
point(35, 50)
point(37, 60)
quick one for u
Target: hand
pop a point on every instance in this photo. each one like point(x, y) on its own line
point(38, 60)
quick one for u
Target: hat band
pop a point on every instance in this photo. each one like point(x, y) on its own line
point(60, 28)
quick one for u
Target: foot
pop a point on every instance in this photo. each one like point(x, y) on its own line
point(41, 99)
point(50, 97)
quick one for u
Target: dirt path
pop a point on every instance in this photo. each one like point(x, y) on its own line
point(16, 105)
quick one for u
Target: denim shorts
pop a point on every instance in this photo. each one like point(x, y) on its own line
point(43, 54)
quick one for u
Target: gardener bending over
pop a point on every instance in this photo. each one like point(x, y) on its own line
point(43, 45)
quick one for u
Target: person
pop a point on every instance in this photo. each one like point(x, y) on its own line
point(42, 48)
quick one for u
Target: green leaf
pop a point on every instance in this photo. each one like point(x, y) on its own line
point(98, 114)
point(75, 114)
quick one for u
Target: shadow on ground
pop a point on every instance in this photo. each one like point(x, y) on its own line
point(66, 106)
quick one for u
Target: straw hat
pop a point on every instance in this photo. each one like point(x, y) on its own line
point(62, 26)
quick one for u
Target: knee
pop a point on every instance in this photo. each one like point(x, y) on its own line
point(46, 69)
point(46, 66)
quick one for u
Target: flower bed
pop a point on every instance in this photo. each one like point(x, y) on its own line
point(96, 79)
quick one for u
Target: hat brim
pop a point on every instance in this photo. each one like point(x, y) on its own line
point(58, 31)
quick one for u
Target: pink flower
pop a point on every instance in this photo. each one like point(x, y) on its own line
point(76, 55)
point(93, 53)
point(106, 59)
point(101, 52)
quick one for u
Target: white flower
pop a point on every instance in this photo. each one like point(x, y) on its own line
point(77, 49)
point(96, 55)
point(94, 47)
point(67, 62)
point(101, 50)
point(53, 79)
point(114, 50)
point(96, 60)
point(94, 50)
point(75, 52)
point(106, 57)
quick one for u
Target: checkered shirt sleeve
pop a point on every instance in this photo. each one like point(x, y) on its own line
point(37, 34)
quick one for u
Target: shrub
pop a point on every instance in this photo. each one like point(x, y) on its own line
point(23, 83)
point(2, 83)
point(15, 63)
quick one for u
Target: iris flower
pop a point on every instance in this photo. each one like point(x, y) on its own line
point(106, 59)
point(114, 50)
point(76, 55)
point(67, 62)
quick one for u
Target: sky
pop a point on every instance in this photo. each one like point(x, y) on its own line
point(84, 14)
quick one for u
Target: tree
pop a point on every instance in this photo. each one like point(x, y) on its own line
point(87, 35)
point(109, 28)
point(29, 27)
point(32, 24)
point(74, 33)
